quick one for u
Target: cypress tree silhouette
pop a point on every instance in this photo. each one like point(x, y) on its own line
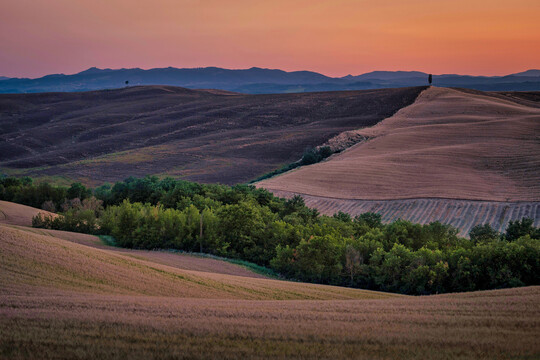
point(430, 79)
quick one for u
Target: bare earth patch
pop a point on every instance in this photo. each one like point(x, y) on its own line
point(198, 135)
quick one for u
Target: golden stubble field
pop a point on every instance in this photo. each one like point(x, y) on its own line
point(448, 144)
point(66, 297)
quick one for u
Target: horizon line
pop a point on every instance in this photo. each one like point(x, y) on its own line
point(258, 67)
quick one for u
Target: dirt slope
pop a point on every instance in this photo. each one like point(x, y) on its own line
point(199, 135)
point(459, 157)
point(448, 144)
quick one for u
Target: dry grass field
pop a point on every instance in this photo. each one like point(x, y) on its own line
point(64, 296)
point(500, 324)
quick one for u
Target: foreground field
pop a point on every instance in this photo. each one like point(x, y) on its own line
point(65, 295)
point(31, 260)
point(488, 325)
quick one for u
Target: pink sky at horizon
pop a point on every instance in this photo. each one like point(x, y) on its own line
point(336, 38)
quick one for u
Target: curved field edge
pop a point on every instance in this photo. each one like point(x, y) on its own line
point(32, 261)
point(461, 214)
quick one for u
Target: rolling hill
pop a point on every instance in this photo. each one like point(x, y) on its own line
point(461, 157)
point(200, 135)
point(60, 298)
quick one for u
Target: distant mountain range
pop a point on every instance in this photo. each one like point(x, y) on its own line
point(258, 80)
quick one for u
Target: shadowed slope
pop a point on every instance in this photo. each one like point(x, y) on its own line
point(200, 135)
point(448, 144)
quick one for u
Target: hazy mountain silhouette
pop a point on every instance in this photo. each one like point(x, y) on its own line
point(257, 80)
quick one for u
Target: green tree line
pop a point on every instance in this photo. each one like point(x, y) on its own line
point(246, 223)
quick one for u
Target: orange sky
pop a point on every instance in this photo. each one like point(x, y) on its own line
point(339, 37)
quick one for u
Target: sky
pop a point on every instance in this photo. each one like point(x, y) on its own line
point(336, 38)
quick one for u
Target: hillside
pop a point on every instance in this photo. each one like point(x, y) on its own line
point(199, 135)
point(63, 265)
point(21, 216)
point(17, 214)
point(449, 144)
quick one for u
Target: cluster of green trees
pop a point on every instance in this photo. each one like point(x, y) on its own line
point(250, 224)
point(310, 156)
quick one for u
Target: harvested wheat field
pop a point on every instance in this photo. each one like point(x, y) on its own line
point(57, 297)
point(449, 145)
point(17, 214)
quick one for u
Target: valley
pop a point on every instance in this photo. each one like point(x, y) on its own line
point(59, 291)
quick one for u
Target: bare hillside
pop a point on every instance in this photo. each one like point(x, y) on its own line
point(448, 144)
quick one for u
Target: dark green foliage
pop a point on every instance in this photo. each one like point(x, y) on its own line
point(24, 191)
point(517, 229)
point(483, 233)
point(310, 156)
point(250, 224)
point(78, 190)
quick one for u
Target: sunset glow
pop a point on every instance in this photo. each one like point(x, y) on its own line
point(478, 37)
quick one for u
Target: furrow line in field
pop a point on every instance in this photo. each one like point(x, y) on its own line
point(462, 214)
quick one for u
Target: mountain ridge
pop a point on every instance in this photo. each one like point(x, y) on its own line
point(256, 80)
